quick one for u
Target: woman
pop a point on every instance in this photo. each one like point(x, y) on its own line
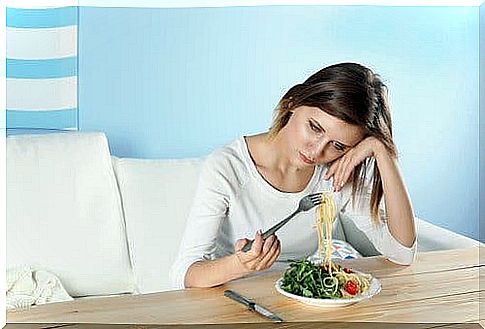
point(331, 132)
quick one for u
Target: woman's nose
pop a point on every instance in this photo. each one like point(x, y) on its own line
point(318, 146)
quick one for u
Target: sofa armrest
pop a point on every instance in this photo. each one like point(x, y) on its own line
point(432, 237)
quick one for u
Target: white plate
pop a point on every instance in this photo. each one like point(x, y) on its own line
point(374, 289)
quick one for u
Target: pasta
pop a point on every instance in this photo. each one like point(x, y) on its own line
point(325, 217)
point(324, 280)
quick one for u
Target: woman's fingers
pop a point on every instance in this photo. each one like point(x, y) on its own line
point(275, 254)
point(257, 246)
point(240, 244)
point(264, 250)
point(347, 172)
point(270, 247)
point(340, 179)
point(249, 258)
point(331, 170)
point(262, 254)
point(272, 255)
point(364, 149)
point(336, 176)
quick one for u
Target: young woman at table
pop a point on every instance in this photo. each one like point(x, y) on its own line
point(332, 131)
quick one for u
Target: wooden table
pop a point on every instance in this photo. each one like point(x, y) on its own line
point(440, 289)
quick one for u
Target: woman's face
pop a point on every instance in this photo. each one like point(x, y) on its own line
point(315, 137)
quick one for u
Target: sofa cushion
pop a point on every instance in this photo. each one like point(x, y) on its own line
point(64, 212)
point(157, 196)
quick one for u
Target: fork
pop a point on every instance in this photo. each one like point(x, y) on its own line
point(306, 203)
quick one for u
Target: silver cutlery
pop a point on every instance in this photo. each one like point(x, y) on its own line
point(252, 305)
point(306, 203)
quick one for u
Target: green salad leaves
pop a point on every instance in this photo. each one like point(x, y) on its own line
point(306, 279)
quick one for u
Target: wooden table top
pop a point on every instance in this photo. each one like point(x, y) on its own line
point(440, 287)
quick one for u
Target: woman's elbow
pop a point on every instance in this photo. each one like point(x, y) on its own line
point(403, 259)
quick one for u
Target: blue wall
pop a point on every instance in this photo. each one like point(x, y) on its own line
point(171, 83)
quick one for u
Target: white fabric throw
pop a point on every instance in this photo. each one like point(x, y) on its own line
point(27, 286)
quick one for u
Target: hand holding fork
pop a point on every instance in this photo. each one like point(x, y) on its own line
point(306, 203)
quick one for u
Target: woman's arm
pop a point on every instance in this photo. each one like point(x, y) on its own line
point(398, 205)
point(210, 203)
point(214, 272)
point(399, 211)
point(195, 265)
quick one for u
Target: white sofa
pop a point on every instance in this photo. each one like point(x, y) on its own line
point(106, 225)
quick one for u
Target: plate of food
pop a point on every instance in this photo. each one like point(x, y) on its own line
point(318, 281)
point(314, 284)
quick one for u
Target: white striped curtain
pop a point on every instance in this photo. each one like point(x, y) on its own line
point(42, 66)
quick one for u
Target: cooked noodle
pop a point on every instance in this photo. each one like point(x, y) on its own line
point(325, 218)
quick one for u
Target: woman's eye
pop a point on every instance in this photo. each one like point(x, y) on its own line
point(338, 147)
point(314, 127)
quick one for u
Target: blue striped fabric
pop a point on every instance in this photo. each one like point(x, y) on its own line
point(41, 18)
point(22, 64)
point(42, 69)
point(61, 119)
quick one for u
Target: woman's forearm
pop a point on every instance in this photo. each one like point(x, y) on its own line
point(211, 273)
point(398, 205)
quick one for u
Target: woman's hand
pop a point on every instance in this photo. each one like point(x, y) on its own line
point(343, 166)
point(262, 255)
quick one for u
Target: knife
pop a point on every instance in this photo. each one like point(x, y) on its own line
point(252, 305)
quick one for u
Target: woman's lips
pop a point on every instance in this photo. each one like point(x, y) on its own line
point(305, 159)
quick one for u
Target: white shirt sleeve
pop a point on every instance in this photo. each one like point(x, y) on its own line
point(209, 208)
point(378, 234)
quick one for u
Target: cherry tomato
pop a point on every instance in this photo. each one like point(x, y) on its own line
point(351, 288)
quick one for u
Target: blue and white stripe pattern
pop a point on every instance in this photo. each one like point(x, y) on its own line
point(42, 68)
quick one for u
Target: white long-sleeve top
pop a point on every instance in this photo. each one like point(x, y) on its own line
point(233, 201)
